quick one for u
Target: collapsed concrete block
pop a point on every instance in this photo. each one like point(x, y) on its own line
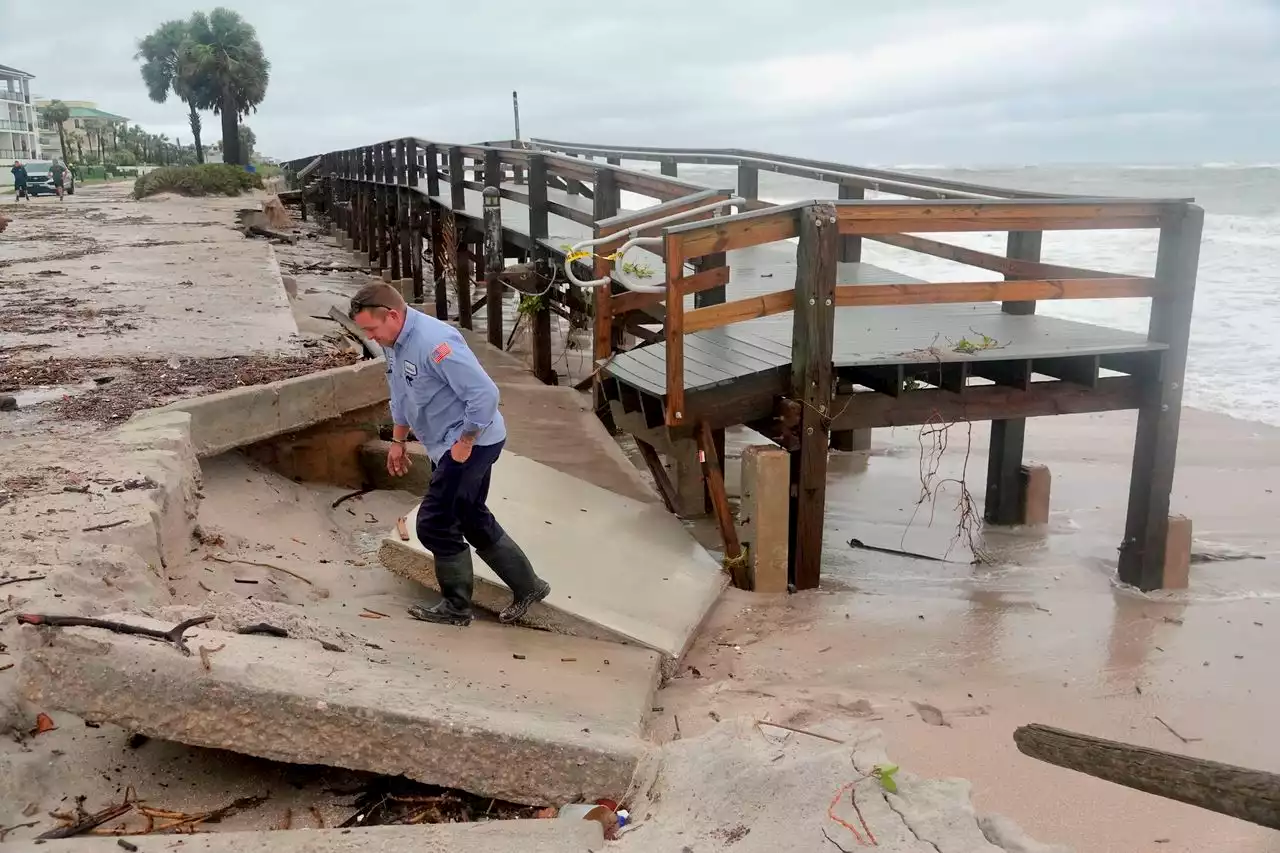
point(1036, 483)
point(547, 733)
point(644, 581)
point(361, 384)
point(766, 515)
point(1177, 553)
point(306, 400)
point(229, 419)
point(373, 462)
point(499, 836)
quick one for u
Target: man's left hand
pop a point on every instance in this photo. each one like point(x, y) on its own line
point(461, 450)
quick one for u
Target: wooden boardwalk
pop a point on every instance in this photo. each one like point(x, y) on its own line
point(765, 314)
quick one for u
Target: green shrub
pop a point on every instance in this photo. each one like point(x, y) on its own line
point(207, 179)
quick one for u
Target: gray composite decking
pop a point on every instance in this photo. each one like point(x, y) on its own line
point(867, 337)
point(864, 337)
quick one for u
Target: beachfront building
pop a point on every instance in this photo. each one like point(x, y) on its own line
point(19, 139)
point(81, 130)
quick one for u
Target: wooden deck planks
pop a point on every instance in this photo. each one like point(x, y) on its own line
point(866, 337)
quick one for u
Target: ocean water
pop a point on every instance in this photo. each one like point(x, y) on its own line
point(1235, 335)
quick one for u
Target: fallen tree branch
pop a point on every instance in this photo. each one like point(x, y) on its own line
point(4, 831)
point(103, 526)
point(349, 495)
point(263, 628)
point(23, 580)
point(173, 635)
point(1250, 795)
point(798, 731)
point(273, 566)
point(87, 823)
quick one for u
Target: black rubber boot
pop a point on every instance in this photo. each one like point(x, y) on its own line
point(456, 579)
point(511, 565)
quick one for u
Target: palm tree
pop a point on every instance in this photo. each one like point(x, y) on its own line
point(164, 69)
point(229, 71)
point(57, 112)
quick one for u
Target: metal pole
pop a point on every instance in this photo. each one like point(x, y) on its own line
point(515, 103)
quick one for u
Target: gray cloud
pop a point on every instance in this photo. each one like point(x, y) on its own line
point(986, 81)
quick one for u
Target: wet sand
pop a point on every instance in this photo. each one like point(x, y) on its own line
point(1045, 635)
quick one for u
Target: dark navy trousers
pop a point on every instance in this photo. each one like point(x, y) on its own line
point(453, 512)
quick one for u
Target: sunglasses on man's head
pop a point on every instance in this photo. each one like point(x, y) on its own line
point(358, 305)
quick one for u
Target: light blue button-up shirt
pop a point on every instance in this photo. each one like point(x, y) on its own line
point(439, 388)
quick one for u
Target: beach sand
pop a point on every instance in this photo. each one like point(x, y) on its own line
point(1043, 636)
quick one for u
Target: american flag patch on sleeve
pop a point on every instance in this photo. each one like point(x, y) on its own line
point(440, 353)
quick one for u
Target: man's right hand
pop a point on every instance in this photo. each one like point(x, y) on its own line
point(398, 461)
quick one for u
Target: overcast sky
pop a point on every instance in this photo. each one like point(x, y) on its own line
point(956, 82)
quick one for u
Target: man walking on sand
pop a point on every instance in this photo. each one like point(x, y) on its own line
point(440, 391)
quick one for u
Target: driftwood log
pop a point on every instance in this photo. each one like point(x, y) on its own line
point(1250, 795)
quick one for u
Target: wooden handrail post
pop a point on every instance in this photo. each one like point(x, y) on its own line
point(673, 257)
point(540, 329)
point(748, 182)
point(416, 217)
point(604, 206)
point(461, 261)
point(1003, 504)
point(493, 262)
point(1142, 553)
point(370, 209)
point(669, 167)
point(812, 385)
point(396, 233)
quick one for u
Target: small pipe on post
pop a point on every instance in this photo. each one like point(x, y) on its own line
point(493, 262)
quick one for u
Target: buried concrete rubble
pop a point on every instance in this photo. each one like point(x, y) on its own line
point(499, 836)
point(452, 709)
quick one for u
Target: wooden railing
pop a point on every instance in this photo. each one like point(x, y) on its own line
point(816, 293)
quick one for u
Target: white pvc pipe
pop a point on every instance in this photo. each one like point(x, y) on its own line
point(631, 232)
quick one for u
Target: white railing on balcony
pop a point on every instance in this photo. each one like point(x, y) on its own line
point(11, 95)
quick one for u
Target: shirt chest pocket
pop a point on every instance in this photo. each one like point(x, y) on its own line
point(420, 385)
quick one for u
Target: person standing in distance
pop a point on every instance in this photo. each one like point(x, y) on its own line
point(440, 391)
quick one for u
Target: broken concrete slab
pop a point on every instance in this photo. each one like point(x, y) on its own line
point(738, 789)
point(498, 836)
point(242, 416)
point(501, 712)
point(643, 580)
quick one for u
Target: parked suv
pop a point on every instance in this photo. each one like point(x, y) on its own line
point(40, 178)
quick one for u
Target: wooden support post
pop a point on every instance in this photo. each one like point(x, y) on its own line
point(540, 332)
point(748, 182)
point(386, 172)
point(493, 261)
point(714, 295)
point(395, 217)
point(714, 476)
point(1004, 464)
point(613, 161)
point(416, 218)
point(1249, 795)
point(811, 380)
point(461, 261)
point(851, 244)
point(371, 210)
point(690, 484)
point(667, 491)
point(435, 228)
point(669, 167)
point(404, 215)
point(1143, 551)
point(604, 205)
point(765, 515)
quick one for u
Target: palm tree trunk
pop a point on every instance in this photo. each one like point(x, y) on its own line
point(62, 140)
point(230, 129)
point(194, 119)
